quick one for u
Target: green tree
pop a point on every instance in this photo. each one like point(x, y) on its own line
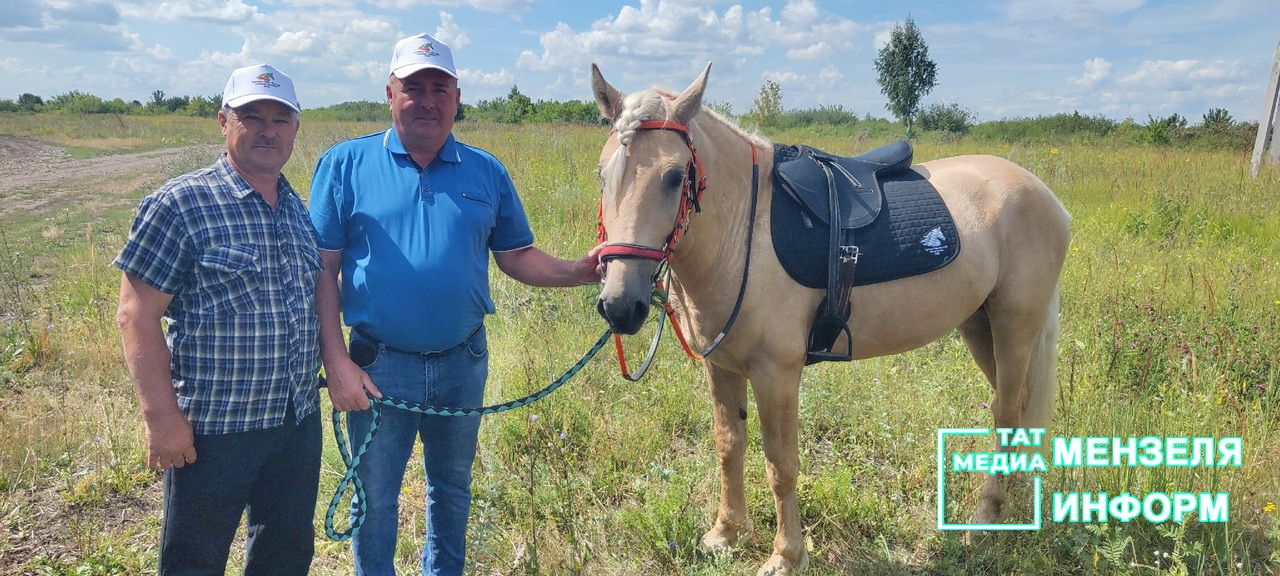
point(1217, 120)
point(157, 98)
point(518, 107)
point(30, 102)
point(945, 118)
point(767, 107)
point(906, 72)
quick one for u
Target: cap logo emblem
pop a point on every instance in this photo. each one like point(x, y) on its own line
point(266, 80)
point(427, 50)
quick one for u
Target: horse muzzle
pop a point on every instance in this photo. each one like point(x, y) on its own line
point(623, 317)
point(626, 294)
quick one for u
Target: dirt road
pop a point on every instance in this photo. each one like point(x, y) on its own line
point(35, 177)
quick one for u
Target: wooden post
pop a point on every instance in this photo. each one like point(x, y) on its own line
point(1266, 135)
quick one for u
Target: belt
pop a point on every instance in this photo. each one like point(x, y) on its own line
point(431, 354)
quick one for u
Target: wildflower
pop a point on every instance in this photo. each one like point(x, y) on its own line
point(1075, 248)
point(533, 417)
point(1269, 508)
point(984, 405)
point(1053, 151)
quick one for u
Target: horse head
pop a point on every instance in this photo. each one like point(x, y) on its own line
point(650, 177)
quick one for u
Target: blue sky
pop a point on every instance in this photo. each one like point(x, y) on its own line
point(998, 58)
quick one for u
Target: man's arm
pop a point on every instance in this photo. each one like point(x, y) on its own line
point(169, 439)
point(347, 382)
point(537, 268)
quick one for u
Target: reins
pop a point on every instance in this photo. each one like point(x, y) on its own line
point(352, 479)
point(690, 201)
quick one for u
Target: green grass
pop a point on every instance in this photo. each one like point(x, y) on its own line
point(1170, 314)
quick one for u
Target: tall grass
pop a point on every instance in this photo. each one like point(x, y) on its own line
point(1170, 314)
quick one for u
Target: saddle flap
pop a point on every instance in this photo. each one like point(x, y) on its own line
point(855, 179)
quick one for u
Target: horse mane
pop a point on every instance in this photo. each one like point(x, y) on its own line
point(651, 104)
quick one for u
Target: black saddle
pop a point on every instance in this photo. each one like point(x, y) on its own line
point(843, 193)
point(814, 177)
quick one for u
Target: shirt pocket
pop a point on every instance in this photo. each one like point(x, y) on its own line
point(311, 266)
point(480, 210)
point(230, 279)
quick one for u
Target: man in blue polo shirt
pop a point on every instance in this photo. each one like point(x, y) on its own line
point(405, 222)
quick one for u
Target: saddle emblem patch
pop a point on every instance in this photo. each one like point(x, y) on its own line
point(934, 241)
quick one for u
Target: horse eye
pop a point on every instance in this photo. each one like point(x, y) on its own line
point(673, 178)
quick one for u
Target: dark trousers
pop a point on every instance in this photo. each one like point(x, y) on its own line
point(274, 474)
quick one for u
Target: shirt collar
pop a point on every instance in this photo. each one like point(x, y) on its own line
point(448, 152)
point(240, 188)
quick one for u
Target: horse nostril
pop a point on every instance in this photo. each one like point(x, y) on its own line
point(641, 310)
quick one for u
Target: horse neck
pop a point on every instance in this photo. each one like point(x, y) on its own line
point(710, 259)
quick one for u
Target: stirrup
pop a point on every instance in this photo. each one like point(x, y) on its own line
point(813, 356)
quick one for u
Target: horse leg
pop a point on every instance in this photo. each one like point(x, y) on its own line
point(976, 332)
point(777, 399)
point(1017, 333)
point(729, 413)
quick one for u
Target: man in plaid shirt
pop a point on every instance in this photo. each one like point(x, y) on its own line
point(227, 254)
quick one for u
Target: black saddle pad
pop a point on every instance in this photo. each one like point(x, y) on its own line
point(913, 234)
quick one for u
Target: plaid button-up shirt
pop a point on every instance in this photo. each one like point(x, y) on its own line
point(242, 322)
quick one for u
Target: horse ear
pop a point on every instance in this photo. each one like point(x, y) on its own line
point(608, 98)
point(690, 102)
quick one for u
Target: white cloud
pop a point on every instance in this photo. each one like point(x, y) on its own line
point(1183, 74)
point(468, 77)
point(819, 50)
point(671, 35)
point(882, 39)
point(91, 12)
point(1095, 70)
point(784, 77)
point(450, 33)
point(10, 66)
point(298, 42)
point(216, 11)
point(499, 6)
point(1076, 12)
point(372, 71)
point(801, 12)
point(830, 75)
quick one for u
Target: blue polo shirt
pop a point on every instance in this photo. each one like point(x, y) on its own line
point(415, 242)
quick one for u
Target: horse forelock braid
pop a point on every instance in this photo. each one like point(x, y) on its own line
point(638, 107)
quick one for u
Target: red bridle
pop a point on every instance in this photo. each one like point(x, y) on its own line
point(690, 201)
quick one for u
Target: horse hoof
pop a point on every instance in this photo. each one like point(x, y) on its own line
point(779, 566)
point(719, 540)
point(978, 537)
point(987, 514)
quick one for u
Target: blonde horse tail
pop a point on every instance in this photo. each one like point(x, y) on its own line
point(1042, 387)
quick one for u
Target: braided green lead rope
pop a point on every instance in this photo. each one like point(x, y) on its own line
point(352, 479)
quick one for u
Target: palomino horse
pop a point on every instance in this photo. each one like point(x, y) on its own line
point(1000, 292)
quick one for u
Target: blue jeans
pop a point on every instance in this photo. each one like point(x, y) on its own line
point(453, 378)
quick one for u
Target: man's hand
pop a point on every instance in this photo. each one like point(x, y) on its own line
point(589, 268)
point(169, 441)
point(348, 384)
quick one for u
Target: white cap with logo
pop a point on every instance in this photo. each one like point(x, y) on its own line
point(259, 82)
point(420, 52)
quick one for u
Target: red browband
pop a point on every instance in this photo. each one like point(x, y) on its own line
point(690, 198)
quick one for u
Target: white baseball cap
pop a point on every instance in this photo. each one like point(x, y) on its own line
point(259, 82)
point(419, 53)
